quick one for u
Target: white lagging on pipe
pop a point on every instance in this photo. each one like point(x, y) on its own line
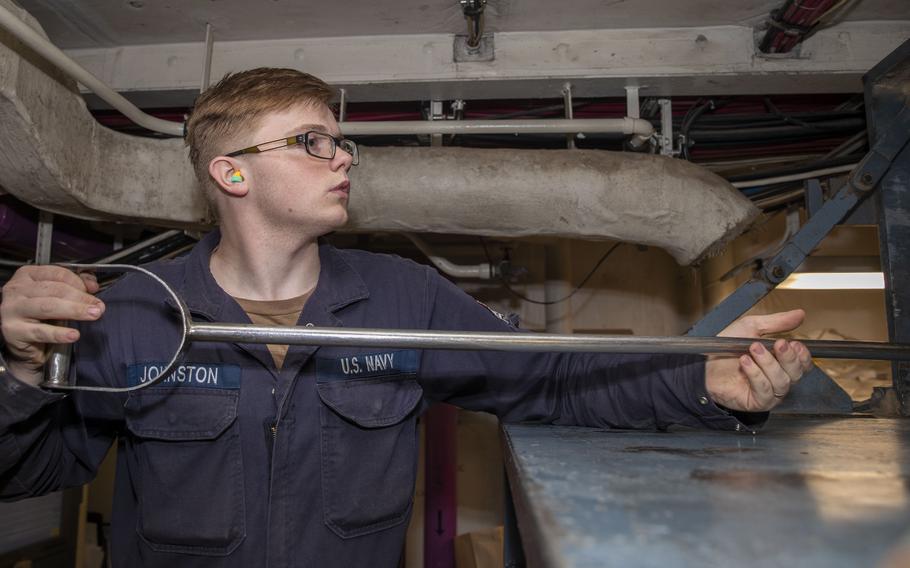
point(49, 51)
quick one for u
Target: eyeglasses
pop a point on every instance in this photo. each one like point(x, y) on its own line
point(317, 144)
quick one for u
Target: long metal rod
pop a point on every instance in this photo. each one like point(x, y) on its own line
point(125, 252)
point(538, 342)
point(458, 340)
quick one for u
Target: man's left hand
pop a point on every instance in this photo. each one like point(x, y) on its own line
point(760, 379)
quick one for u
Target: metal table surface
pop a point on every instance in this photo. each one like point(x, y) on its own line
point(805, 491)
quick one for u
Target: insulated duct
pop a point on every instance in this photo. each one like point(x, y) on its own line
point(591, 194)
point(55, 156)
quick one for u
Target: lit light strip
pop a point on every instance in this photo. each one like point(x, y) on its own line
point(834, 281)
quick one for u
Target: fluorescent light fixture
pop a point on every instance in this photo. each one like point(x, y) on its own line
point(834, 281)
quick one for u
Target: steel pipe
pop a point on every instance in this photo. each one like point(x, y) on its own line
point(458, 340)
point(537, 342)
point(125, 252)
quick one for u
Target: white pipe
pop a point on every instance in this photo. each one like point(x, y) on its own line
point(567, 101)
point(49, 51)
point(123, 253)
point(794, 177)
point(631, 126)
point(481, 270)
point(207, 66)
point(666, 126)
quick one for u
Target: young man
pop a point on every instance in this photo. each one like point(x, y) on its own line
point(256, 456)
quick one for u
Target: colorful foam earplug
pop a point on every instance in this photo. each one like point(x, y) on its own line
point(236, 177)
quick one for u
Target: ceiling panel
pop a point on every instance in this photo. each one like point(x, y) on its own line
point(102, 23)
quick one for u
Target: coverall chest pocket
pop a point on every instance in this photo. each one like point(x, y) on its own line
point(369, 452)
point(187, 470)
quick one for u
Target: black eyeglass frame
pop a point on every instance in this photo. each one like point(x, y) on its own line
point(303, 140)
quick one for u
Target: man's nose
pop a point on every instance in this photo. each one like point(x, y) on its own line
point(341, 160)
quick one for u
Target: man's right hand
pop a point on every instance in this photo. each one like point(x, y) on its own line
point(34, 296)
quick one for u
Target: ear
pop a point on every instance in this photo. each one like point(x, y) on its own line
point(222, 168)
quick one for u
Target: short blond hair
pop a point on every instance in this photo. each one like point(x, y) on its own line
point(237, 102)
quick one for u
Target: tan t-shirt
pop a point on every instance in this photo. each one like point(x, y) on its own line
point(275, 312)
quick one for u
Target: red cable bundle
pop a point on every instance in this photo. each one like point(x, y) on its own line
point(793, 22)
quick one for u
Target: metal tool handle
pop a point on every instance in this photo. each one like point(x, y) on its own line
point(57, 363)
point(466, 340)
point(56, 369)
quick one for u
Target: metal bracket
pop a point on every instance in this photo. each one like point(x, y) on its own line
point(342, 105)
point(632, 106)
point(44, 238)
point(816, 392)
point(815, 197)
point(665, 139)
point(464, 53)
point(436, 113)
point(860, 184)
point(567, 102)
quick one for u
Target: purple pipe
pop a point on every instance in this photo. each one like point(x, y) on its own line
point(440, 507)
point(19, 234)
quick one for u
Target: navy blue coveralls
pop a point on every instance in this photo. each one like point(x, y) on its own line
point(229, 462)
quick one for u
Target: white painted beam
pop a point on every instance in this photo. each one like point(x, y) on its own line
point(670, 61)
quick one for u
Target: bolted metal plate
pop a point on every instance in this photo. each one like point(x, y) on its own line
point(483, 52)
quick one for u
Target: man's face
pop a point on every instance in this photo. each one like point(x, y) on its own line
point(289, 187)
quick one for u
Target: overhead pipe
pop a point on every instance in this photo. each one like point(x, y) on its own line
point(24, 33)
point(637, 127)
point(483, 270)
point(125, 252)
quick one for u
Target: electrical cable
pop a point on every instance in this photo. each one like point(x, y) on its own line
point(745, 120)
point(796, 177)
point(784, 198)
point(746, 149)
point(505, 284)
point(786, 118)
point(795, 21)
point(762, 191)
point(152, 249)
point(14, 263)
point(848, 125)
point(796, 169)
point(556, 109)
point(691, 116)
point(848, 146)
point(738, 164)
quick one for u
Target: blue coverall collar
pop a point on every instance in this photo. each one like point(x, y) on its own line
point(339, 283)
